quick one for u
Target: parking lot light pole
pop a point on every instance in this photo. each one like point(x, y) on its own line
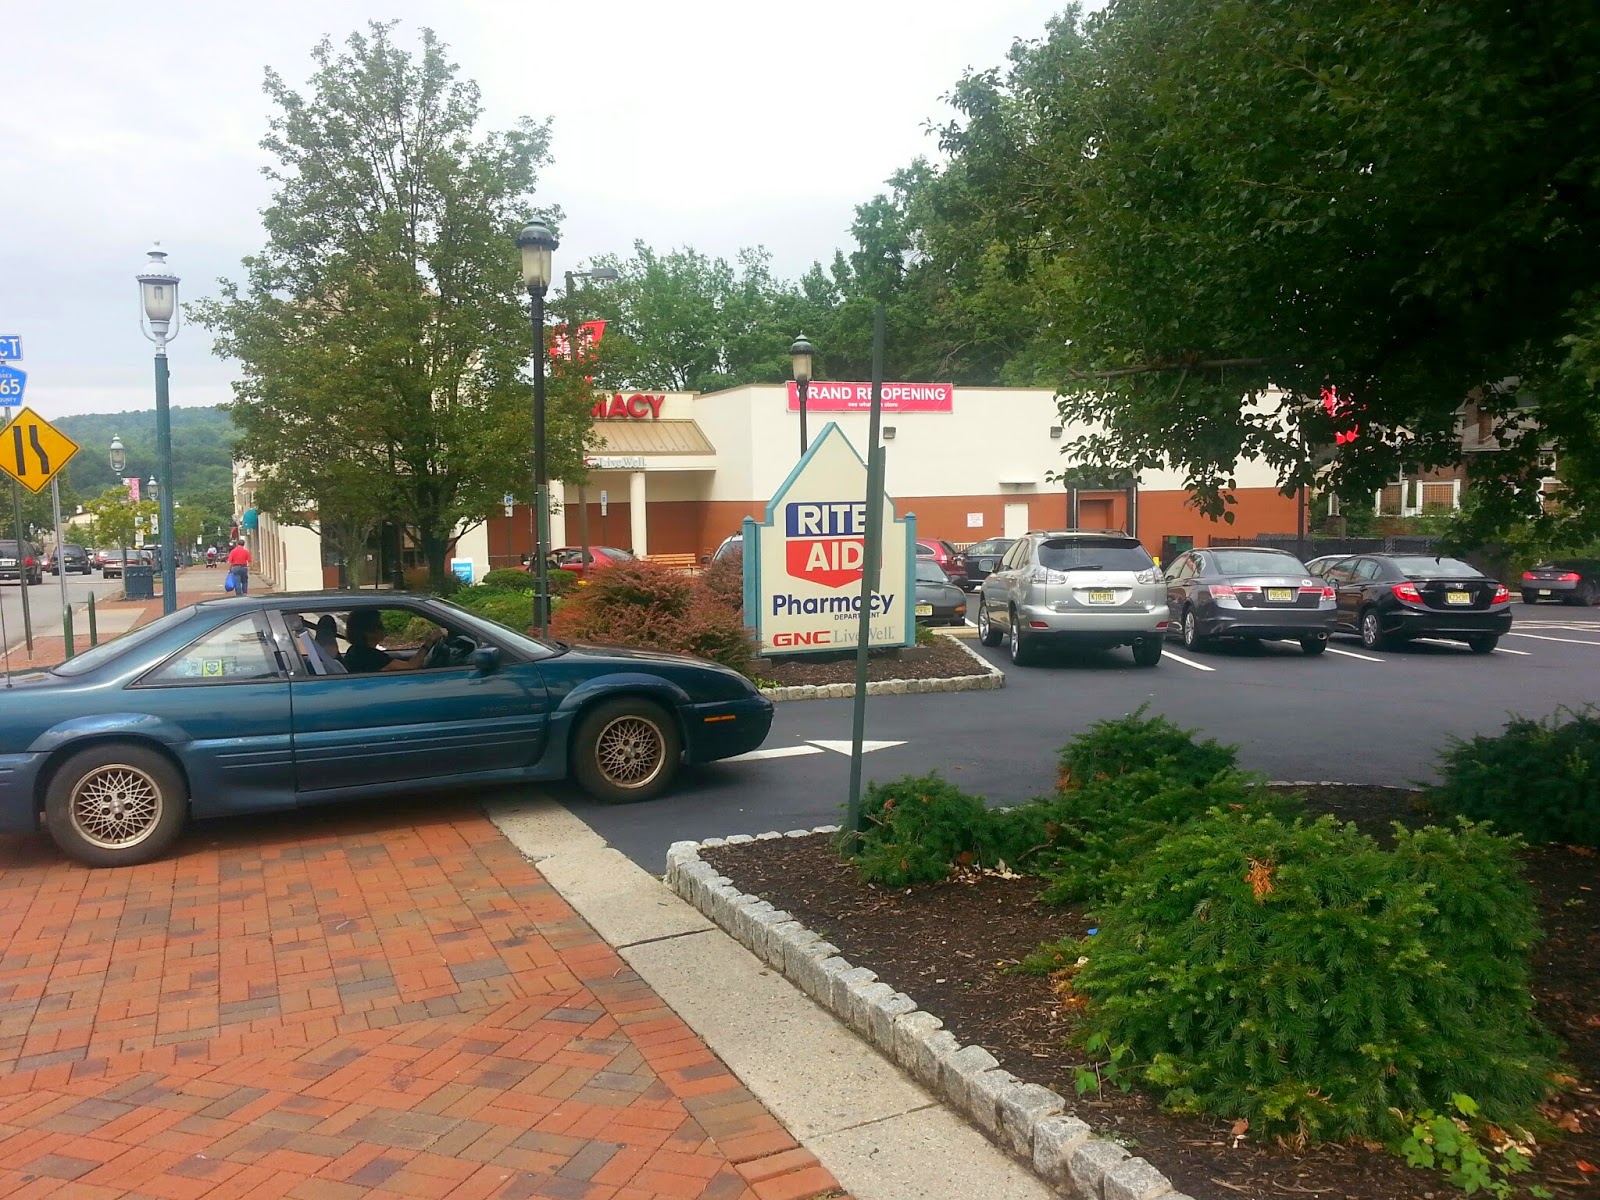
point(599, 274)
point(537, 243)
point(159, 291)
point(118, 458)
point(800, 355)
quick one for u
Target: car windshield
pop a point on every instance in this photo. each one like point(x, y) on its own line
point(532, 646)
point(929, 571)
point(1256, 562)
point(1078, 555)
point(1420, 566)
point(97, 656)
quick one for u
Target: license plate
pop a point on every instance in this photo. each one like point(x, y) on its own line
point(1544, 591)
point(1102, 597)
point(1458, 597)
point(1280, 595)
point(924, 610)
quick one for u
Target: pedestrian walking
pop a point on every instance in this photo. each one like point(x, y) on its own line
point(239, 568)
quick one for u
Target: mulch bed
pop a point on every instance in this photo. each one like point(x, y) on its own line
point(942, 660)
point(950, 947)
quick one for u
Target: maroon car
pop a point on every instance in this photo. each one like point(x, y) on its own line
point(946, 555)
point(570, 558)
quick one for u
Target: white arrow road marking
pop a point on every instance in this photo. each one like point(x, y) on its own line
point(1188, 662)
point(774, 752)
point(1353, 654)
point(1519, 653)
point(844, 747)
point(1541, 638)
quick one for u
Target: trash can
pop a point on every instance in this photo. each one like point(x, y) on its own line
point(138, 583)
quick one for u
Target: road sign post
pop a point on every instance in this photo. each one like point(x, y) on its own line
point(61, 567)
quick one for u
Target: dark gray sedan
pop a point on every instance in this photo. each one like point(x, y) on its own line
point(982, 558)
point(939, 600)
point(1248, 592)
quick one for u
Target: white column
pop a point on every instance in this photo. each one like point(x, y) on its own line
point(558, 514)
point(636, 513)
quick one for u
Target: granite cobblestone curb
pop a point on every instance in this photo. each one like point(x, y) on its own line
point(1031, 1122)
point(987, 679)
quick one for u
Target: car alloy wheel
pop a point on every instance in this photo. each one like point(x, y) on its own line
point(630, 751)
point(115, 806)
point(1191, 630)
point(1021, 651)
point(1371, 630)
point(987, 633)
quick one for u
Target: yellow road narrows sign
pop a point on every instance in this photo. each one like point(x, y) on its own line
point(33, 451)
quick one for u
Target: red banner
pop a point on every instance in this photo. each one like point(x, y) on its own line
point(1339, 409)
point(589, 335)
point(828, 396)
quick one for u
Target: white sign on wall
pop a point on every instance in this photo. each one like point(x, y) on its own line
point(803, 563)
point(974, 520)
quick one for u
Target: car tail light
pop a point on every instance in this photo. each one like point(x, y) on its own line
point(1407, 592)
point(1221, 589)
point(1502, 594)
point(1570, 577)
point(1153, 575)
point(1529, 575)
point(28, 562)
point(1039, 624)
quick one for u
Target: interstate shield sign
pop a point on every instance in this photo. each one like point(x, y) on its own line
point(804, 561)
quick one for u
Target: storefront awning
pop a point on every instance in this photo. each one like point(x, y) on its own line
point(648, 437)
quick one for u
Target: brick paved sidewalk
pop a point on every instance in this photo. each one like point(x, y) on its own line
point(325, 1006)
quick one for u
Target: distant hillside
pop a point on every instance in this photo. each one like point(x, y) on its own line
point(202, 445)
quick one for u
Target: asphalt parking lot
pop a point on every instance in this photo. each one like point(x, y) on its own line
point(1351, 715)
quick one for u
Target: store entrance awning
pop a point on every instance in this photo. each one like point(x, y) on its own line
point(649, 437)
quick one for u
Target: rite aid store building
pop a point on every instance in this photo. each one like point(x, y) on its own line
point(680, 471)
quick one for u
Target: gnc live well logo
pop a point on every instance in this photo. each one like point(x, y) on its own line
point(825, 541)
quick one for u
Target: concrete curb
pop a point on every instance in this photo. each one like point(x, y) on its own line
point(1030, 1122)
point(991, 677)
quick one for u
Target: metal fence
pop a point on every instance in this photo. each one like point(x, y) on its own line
point(1317, 546)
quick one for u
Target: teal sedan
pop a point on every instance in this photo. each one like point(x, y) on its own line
point(285, 701)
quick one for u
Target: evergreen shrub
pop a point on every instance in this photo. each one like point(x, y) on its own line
point(1540, 779)
point(1113, 748)
point(507, 579)
point(916, 829)
point(1299, 976)
point(514, 609)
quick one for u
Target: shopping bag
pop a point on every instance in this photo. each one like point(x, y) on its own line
point(227, 583)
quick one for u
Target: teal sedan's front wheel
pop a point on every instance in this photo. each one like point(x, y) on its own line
point(626, 750)
point(115, 805)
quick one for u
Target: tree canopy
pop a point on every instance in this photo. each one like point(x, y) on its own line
point(382, 329)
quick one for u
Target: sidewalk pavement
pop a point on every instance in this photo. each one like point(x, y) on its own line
point(330, 1006)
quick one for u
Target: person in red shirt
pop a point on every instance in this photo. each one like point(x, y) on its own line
point(239, 567)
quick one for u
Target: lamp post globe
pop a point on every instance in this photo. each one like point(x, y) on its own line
point(537, 244)
point(800, 357)
point(117, 455)
point(158, 295)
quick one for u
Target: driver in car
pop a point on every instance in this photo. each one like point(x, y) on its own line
point(364, 630)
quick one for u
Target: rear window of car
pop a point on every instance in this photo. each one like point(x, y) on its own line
point(1256, 562)
point(97, 656)
point(925, 551)
point(1421, 567)
point(1075, 554)
point(929, 571)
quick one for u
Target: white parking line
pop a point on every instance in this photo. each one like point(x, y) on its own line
point(1353, 654)
point(1187, 662)
point(1518, 653)
point(1539, 637)
point(775, 752)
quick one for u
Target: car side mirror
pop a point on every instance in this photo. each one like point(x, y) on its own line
point(485, 660)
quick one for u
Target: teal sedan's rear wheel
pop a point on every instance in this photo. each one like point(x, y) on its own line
point(115, 805)
point(626, 750)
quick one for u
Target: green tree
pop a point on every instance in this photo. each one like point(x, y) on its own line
point(115, 518)
point(1221, 198)
point(382, 330)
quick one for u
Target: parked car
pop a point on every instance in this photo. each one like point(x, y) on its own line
point(981, 558)
point(939, 600)
point(1387, 598)
point(72, 559)
point(732, 547)
point(1569, 580)
point(230, 706)
point(1081, 587)
point(570, 558)
point(1323, 561)
point(1247, 592)
point(20, 561)
point(114, 561)
point(943, 553)
point(98, 558)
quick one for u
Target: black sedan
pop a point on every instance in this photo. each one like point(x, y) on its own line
point(982, 558)
point(939, 600)
point(1247, 592)
point(1387, 598)
point(1569, 580)
point(257, 703)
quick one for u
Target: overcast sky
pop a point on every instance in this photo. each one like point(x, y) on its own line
point(711, 123)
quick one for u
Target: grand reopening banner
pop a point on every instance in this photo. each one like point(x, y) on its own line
point(857, 397)
point(803, 563)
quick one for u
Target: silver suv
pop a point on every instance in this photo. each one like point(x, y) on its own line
point(1084, 587)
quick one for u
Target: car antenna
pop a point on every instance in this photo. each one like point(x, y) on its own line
point(5, 642)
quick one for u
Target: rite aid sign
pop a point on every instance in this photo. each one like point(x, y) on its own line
point(803, 563)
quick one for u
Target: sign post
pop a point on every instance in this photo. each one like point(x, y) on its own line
point(61, 567)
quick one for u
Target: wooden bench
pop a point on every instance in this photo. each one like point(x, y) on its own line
point(678, 562)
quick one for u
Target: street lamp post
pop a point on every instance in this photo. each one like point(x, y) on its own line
point(159, 291)
point(118, 457)
point(537, 243)
point(607, 274)
point(800, 354)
